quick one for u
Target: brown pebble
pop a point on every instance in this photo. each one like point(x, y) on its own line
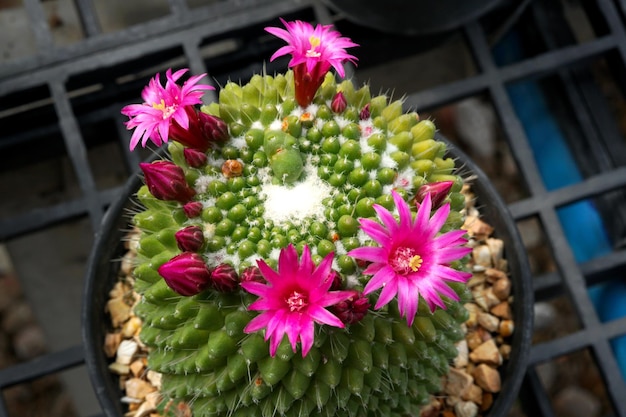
point(494, 275)
point(487, 353)
point(457, 382)
point(138, 388)
point(137, 367)
point(473, 339)
point(465, 409)
point(488, 321)
point(487, 378)
point(505, 351)
point(502, 310)
point(487, 401)
point(111, 343)
point(506, 328)
point(474, 394)
point(119, 311)
point(502, 288)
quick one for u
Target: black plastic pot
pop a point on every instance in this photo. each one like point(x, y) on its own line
point(413, 17)
point(104, 265)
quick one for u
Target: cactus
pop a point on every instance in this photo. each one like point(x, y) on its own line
point(311, 190)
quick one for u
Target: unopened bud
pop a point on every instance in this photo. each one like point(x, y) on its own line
point(365, 113)
point(187, 274)
point(203, 130)
point(190, 239)
point(353, 309)
point(438, 192)
point(166, 181)
point(224, 278)
point(194, 157)
point(213, 128)
point(193, 209)
point(339, 103)
point(336, 279)
point(252, 274)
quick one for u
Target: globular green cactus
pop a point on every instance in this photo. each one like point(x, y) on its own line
point(306, 177)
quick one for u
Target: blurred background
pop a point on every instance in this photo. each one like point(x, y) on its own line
point(534, 91)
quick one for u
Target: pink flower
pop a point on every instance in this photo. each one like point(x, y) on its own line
point(162, 105)
point(313, 51)
point(412, 261)
point(295, 298)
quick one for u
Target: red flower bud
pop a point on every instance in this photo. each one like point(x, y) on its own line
point(190, 239)
point(339, 103)
point(166, 181)
point(203, 130)
point(187, 274)
point(252, 273)
point(194, 157)
point(353, 309)
point(224, 278)
point(213, 128)
point(437, 190)
point(365, 114)
point(193, 209)
point(337, 281)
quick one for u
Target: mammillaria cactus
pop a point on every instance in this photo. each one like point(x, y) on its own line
point(300, 250)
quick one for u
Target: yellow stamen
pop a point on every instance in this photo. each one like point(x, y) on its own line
point(415, 262)
point(314, 41)
point(284, 125)
point(159, 106)
point(306, 116)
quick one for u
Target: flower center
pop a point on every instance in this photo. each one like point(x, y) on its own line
point(297, 301)
point(166, 110)
point(405, 260)
point(315, 42)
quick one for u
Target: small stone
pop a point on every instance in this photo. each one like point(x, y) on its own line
point(496, 247)
point(154, 378)
point(125, 351)
point(487, 401)
point(465, 409)
point(502, 288)
point(479, 298)
point(137, 367)
point(487, 378)
point(119, 311)
point(502, 310)
point(491, 299)
point(457, 382)
point(476, 279)
point(505, 351)
point(474, 394)
point(131, 327)
point(138, 388)
point(462, 354)
point(574, 401)
point(128, 263)
point(431, 409)
point(494, 275)
point(473, 339)
point(477, 228)
point(119, 369)
point(506, 328)
point(486, 353)
point(451, 400)
point(488, 321)
point(111, 343)
point(482, 256)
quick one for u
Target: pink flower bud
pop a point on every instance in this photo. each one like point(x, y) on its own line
point(224, 278)
point(337, 281)
point(190, 239)
point(187, 274)
point(365, 114)
point(353, 309)
point(203, 130)
point(213, 128)
point(166, 181)
point(252, 274)
point(437, 190)
point(194, 157)
point(339, 103)
point(193, 209)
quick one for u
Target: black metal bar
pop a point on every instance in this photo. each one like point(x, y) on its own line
point(48, 364)
point(77, 152)
point(88, 17)
point(3, 407)
point(541, 405)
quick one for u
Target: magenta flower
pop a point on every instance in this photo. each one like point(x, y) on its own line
point(313, 51)
point(162, 105)
point(295, 298)
point(412, 261)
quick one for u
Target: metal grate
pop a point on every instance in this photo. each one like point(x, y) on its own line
point(77, 89)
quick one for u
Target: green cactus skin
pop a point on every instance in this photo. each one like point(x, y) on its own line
point(378, 366)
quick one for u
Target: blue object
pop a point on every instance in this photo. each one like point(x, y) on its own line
point(581, 222)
